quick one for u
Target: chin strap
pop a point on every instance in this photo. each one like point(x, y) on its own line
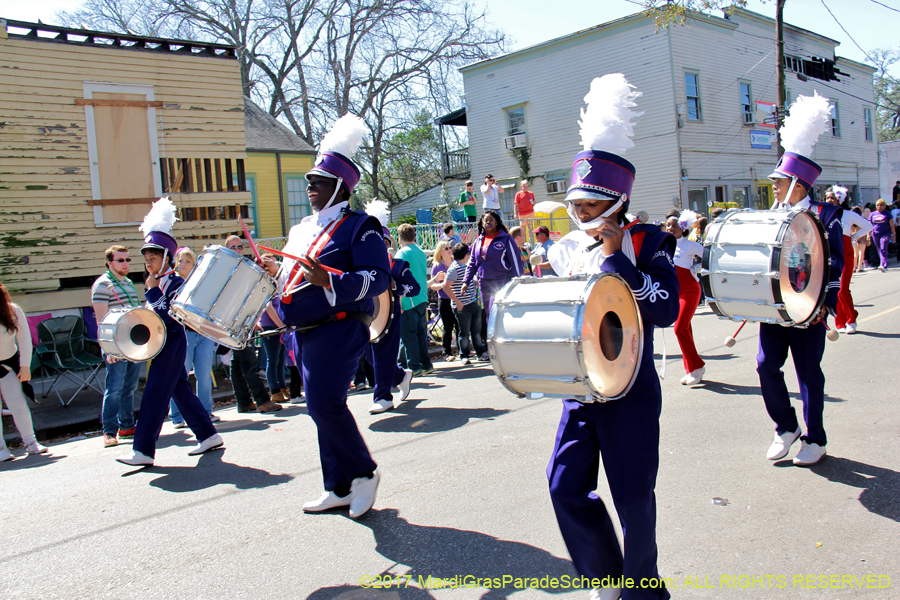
point(337, 188)
point(786, 205)
point(595, 223)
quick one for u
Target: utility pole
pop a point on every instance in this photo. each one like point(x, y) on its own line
point(780, 108)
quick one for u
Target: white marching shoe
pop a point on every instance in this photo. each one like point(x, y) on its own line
point(782, 444)
point(136, 459)
point(610, 593)
point(211, 443)
point(327, 501)
point(809, 454)
point(850, 328)
point(362, 494)
point(694, 377)
point(380, 406)
point(404, 385)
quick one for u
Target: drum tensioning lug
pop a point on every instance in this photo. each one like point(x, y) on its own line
point(768, 320)
point(766, 274)
point(577, 302)
point(536, 341)
point(756, 302)
point(751, 244)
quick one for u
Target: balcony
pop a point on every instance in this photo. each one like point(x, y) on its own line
point(455, 164)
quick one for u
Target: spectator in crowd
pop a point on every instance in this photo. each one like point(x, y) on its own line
point(450, 235)
point(524, 205)
point(860, 244)
point(469, 203)
point(201, 351)
point(716, 213)
point(114, 289)
point(895, 193)
point(468, 312)
point(542, 237)
point(491, 191)
point(296, 384)
point(883, 232)
point(249, 390)
point(443, 258)
point(275, 352)
point(413, 337)
point(15, 372)
point(495, 258)
point(518, 236)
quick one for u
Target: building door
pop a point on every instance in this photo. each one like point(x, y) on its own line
point(766, 197)
point(741, 196)
point(698, 200)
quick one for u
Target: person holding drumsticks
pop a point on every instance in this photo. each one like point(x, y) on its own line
point(688, 294)
point(167, 377)
point(793, 178)
point(622, 435)
point(335, 265)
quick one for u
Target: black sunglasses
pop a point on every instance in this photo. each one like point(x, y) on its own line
point(238, 247)
point(121, 260)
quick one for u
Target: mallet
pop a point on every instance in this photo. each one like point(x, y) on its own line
point(730, 340)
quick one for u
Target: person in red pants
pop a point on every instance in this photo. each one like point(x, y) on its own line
point(845, 319)
point(688, 294)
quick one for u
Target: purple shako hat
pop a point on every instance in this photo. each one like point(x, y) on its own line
point(161, 241)
point(795, 165)
point(336, 165)
point(601, 175)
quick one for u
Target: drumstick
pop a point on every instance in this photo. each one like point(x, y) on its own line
point(731, 341)
point(250, 239)
point(832, 334)
point(302, 261)
point(641, 217)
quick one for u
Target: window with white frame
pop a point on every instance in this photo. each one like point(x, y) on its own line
point(867, 123)
point(835, 121)
point(298, 201)
point(692, 91)
point(746, 102)
point(515, 120)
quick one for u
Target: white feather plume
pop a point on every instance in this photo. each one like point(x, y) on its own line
point(840, 192)
point(380, 210)
point(607, 121)
point(345, 136)
point(161, 217)
point(809, 118)
point(687, 218)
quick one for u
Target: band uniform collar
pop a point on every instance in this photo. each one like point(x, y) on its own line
point(326, 216)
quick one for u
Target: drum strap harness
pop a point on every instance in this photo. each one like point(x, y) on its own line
point(315, 249)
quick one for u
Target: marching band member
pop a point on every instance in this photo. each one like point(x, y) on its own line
point(793, 178)
point(623, 434)
point(327, 297)
point(688, 294)
point(845, 319)
point(382, 355)
point(167, 377)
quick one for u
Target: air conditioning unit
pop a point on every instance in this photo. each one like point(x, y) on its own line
point(515, 141)
point(749, 118)
point(557, 187)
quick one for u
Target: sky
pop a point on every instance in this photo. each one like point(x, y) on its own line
point(529, 22)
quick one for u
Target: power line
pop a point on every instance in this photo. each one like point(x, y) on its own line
point(845, 31)
point(886, 6)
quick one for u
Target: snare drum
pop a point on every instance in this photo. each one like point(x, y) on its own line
point(223, 297)
point(136, 334)
point(384, 315)
point(575, 337)
point(767, 266)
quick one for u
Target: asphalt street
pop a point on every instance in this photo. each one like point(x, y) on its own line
point(464, 493)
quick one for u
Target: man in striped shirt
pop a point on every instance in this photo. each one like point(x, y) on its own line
point(113, 289)
point(468, 312)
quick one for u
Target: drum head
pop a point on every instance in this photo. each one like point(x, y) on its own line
point(384, 312)
point(802, 267)
point(612, 337)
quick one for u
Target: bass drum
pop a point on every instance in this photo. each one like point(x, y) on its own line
point(136, 334)
point(223, 297)
point(766, 266)
point(575, 337)
point(384, 315)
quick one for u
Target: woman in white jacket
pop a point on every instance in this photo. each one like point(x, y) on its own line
point(845, 319)
point(15, 369)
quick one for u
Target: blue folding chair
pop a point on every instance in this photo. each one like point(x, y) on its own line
point(458, 216)
point(423, 215)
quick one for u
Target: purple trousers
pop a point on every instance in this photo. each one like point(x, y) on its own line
point(881, 244)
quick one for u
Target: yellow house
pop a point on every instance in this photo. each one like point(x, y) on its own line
point(93, 127)
point(277, 163)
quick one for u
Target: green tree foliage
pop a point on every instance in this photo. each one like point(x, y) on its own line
point(887, 94)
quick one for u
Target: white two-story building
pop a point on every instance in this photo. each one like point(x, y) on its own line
point(706, 87)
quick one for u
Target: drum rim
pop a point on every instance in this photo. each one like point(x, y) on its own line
point(390, 319)
point(123, 310)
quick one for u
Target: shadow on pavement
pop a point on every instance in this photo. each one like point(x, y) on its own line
point(409, 417)
point(422, 551)
point(719, 387)
point(877, 335)
point(210, 471)
point(881, 487)
point(25, 461)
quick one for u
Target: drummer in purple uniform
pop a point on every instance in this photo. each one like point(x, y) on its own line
point(793, 178)
point(328, 300)
point(624, 433)
point(382, 355)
